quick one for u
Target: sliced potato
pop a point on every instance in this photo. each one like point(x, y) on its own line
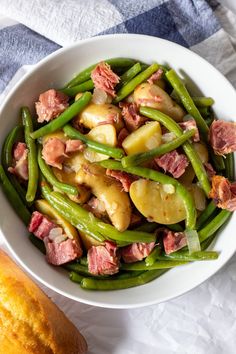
point(75, 161)
point(109, 191)
point(45, 208)
point(155, 204)
point(88, 241)
point(59, 134)
point(105, 134)
point(70, 178)
point(145, 138)
point(202, 151)
point(151, 95)
point(93, 114)
point(198, 196)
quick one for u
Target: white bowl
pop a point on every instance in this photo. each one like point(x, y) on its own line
point(59, 68)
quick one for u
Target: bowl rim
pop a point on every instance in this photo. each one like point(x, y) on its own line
point(7, 98)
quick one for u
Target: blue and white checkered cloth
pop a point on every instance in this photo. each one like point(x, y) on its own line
point(43, 26)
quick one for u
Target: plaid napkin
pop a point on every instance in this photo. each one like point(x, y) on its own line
point(43, 26)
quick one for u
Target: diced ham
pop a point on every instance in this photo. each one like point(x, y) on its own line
point(223, 193)
point(97, 207)
point(40, 225)
point(20, 161)
point(124, 178)
point(54, 152)
point(222, 136)
point(103, 260)
point(131, 116)
point(188, 125)
point(173, 162)
point(74, 145)
point(50, 105)
point(121, 136)
point(156, 76)
point(63, 252)
point(104, 78)
point(209, 170)
point(173, 241)
point(136, 251)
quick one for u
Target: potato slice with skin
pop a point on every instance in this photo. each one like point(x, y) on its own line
point(94, 114)
point(145, 138)
point(59, 134)
point(151, 95)
point(69, 177)
point(88, 241)
point(105, 134)
point(199, 196)
point(45, 208)
point(202, 151)
point(109, 191)
point(151, 200)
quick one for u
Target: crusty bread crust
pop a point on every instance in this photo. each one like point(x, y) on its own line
point(29, 321)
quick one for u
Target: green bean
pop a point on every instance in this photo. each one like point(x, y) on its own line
point(205, 244)
point(152, 257)
point(203, 101)
point(137, 159)
point(194, 158)
point(115, 284)
point(72, 91)
point(51, 178)
point(75, 277)
point(187, 101)
point(14, 198)
point(229, 166)
point(37, 243)
point(205, 214)
point(175, 227)
point(114, 62)
point(157, 265)
point(129, 75)
point(32, 155)
point(205, 113)
point(78, 268)
point(86, 222)
point(72, 133)
point(214, 225)
point(217, 160)
point(185, 256)
point(126, 275)
point(16, 134)
point(132, 84)
point(83, 261)
point(163, 179)
point(147, 227)
point(64, 117)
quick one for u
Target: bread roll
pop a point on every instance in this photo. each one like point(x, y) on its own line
point(29, 321)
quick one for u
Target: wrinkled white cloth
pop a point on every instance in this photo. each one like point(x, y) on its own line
point(199, 322)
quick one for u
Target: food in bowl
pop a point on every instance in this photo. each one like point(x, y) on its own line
point(133, 173)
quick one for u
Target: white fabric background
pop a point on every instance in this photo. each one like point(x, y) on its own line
point(201, 321)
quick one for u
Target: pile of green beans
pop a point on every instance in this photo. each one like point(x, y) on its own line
point(43, 183)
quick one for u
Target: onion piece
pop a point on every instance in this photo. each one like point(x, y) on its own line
point(100, 96)
point(192, 241)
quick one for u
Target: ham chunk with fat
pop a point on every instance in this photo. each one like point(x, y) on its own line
point(55, 150)
point(50, 105)
point(121, 136)
point(155, 77)
point(223, 193)
point(133, 120)
point(20, 161)
point(124, 178)
point(63, 252)
point(173, 241)
point(103, 260)
point(222, 136)
point(173, 162)
point(40, 225)
point(189, 125)
point(136, 251)
point(104, 78)
point(59, 248)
